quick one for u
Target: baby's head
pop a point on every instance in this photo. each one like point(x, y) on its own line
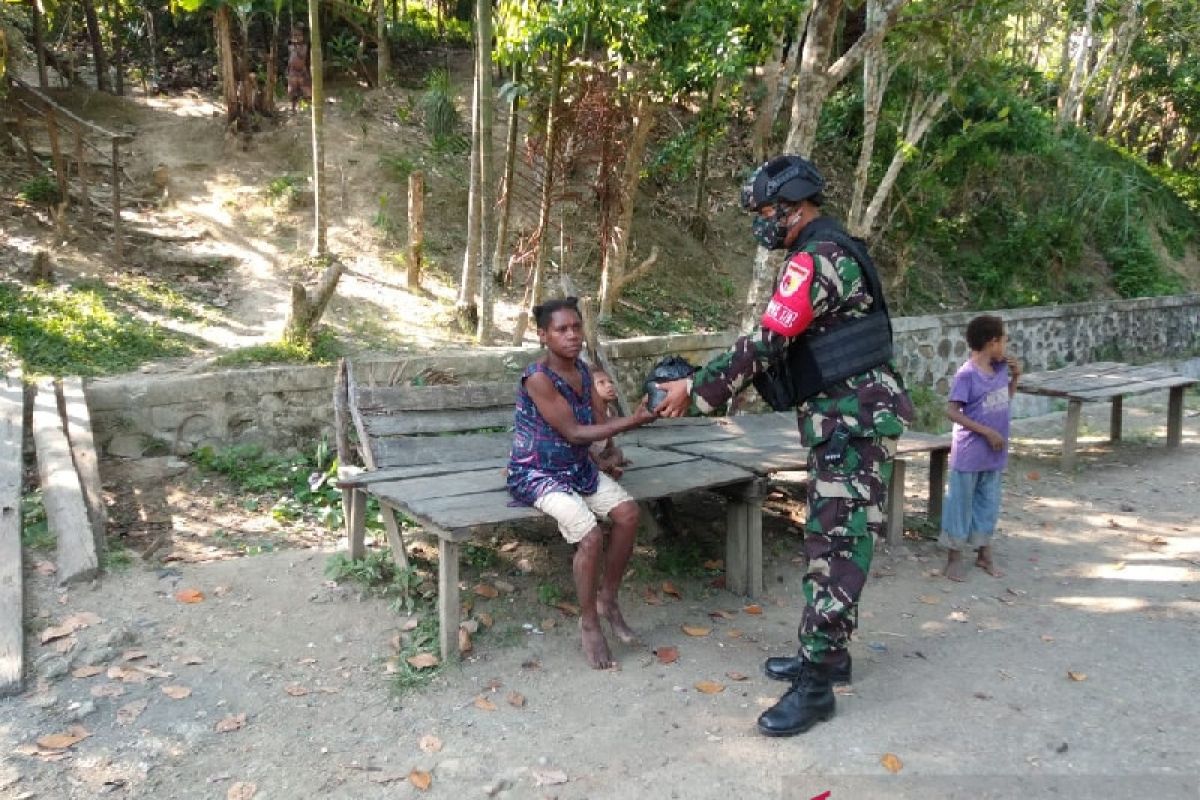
point(606, 390)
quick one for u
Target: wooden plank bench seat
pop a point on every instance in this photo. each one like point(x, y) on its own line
point(436, 454)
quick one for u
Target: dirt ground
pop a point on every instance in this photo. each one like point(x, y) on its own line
point(1072, 676)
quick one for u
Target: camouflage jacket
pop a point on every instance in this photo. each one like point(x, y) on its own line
point(873, 403)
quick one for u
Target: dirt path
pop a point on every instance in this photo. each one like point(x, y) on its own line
point(969, 686)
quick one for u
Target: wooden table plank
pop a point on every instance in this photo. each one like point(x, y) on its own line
point(12, 602)
point(1139, 387)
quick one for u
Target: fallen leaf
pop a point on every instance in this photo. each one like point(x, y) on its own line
point(667, 655)
point(127, 713)
point(295, 690)
point(419, 779)
point(190, 596)
point(548, 624)
point(45, 568)
point(696, 630)
point(231, 723)
point(177, 692)
point(1033, 475)
point(485, 619)
point(548, 777)
point(508, 547)
point(669, 588)
point(66, 645)
point(929, 599)
point(714, 563)
point(133, 655)
point(192, 661)
point(1077, 676)
point(242, 790)
point(737, 676)
point(410, 624)
point(430, 743)
point(56, 632)
point(753, 608)
point(153, 672)
point(423, 661)
point(959, 616)
point(570, 609)
point(721, 614)
point(1046, 638)
point(710, 687)
point(733, 633)
point(108, 690)
point(483, 704)
point(650, 595)
point(892, 763)
point(86, 672)
point(464, 641)
point(61, 741)
point(486, 590)
point(516, 699)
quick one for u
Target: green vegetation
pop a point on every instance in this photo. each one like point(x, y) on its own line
point(323, 349)
point(283, 190)
point(549, 594)
point(35, 530)
point(422, 639)
point(930, 409)
point(115, 557)
point(79, 330)
point(397, 165)
point(442, 120)
point(377, 571)
point(42, 190)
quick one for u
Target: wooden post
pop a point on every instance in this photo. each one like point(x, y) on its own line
point(448, 602)
point(66, 511)
point(937, 485)
point(60, 170)
point(12, 606)
point(81, 163)
point(895, 503)
point(416, 226)
point(1071, 434)
point(83, 452)
point(1114, 419)
point(116, 200)
point(1175, 416)
point(395, 536)
point(23, 133)
point(356, 522)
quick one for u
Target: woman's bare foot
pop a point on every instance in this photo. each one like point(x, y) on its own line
point(984, 562)
point(612, 612)
point(955, 569)
point(595, 646)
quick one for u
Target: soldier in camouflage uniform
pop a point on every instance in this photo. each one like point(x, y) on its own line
point(850, 426)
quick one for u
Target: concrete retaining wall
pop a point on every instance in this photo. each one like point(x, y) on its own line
point(291, 406)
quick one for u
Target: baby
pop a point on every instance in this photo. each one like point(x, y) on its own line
point(607, 455)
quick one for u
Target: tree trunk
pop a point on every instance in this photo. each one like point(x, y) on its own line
point(707, 122)
point(320, 247)
point(613, 277)
point(267, 104)
point(93, 28)
point(1072, 97)
point(813, 81)
point(384, 61)
point(1125, 36)
point(112, 10)
point(876, 75)
point(416, 228)
point(307, 309)
point(39, 42)
point(152, 34)
point(533, 290)
point(229, 75)
point(773, 70)
point(487, 166)
point(468, 311)
point(510, 164)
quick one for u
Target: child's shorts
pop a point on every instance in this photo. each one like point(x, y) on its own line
point(577, 514)
point(971, 510)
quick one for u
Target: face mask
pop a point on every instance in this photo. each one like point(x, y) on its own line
point(770, 232)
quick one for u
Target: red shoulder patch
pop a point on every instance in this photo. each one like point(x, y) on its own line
point(790, 310)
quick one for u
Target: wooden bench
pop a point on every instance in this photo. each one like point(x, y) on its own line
point(438, 455)
point(1112, 381)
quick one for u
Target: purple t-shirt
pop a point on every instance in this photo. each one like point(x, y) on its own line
point(984, 399)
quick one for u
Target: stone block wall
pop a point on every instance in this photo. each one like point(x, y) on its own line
point(291, 406)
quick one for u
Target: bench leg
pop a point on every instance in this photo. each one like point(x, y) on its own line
point(1114, 419)
point(448, 602)
point(1175, 417)
point(1071, 434)
point(743, 541)
point(354, 507)
point(937, 485)
point(395, 536)
point(895, 503)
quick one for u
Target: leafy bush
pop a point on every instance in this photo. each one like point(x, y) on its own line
point(42, 190)
point(442, 120)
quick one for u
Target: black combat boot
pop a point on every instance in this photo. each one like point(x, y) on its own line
point(807, 702)
point(787, 668)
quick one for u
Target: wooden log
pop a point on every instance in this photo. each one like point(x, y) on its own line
point(83, 452)
point(81, 165)
point(416, 227)
point(66, 511)
point(116, 200)
point(448, 598)
point(12, 630)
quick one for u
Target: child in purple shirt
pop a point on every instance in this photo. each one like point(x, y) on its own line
point(979, 408)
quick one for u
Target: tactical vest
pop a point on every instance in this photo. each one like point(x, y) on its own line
point(814, 362)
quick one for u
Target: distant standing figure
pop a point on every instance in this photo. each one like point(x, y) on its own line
point(299, 82)
point(979, 409)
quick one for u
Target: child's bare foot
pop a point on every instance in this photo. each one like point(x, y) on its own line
point(612, 612)
point(955, 569)
point(984, 562)
point(595, 647)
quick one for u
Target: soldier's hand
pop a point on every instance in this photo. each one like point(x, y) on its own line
point(678, 398)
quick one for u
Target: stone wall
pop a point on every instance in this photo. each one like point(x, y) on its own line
point(283, 407)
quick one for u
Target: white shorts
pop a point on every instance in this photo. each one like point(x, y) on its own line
point(577, 514)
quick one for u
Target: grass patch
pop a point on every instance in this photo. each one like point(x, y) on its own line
point(322, 350)
point(35, 530)
point(420, 640)
point(146, 294)
point(42, 190)
point(79, 330)
point(115, 557)
point(930, 410)
point(378, 572)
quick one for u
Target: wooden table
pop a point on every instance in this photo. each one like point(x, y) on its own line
point(768, 443)
point(1107, 380)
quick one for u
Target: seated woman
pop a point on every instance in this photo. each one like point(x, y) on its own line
point(550, 468)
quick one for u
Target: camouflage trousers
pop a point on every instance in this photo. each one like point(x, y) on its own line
point(845, 513)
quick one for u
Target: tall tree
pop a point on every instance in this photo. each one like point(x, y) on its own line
point(384, 53)
point(487, 161)
point(99, 59)
point(320, 246)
